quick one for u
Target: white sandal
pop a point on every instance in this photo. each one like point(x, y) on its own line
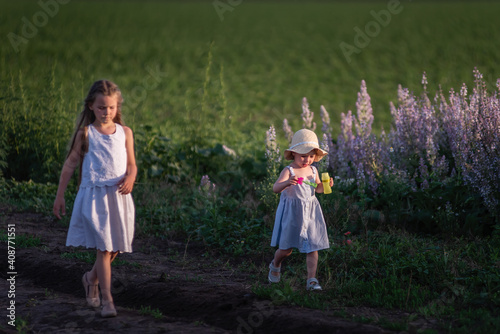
point(108, 310)
point(313, 284)
point(272, 269)
point(92, 301)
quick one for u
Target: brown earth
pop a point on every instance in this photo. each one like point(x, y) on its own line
point(194, 293)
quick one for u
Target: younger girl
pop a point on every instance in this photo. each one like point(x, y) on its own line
point(103, 212)
point(299, 220)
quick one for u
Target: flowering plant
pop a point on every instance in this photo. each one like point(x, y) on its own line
point(207, 187)
point(436, 148)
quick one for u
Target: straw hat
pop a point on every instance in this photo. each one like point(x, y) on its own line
point(304, 141)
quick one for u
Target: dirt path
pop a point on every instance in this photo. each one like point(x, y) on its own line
point(192, 293)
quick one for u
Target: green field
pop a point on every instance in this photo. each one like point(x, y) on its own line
point(272, 54)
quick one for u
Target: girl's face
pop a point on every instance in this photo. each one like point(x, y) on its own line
point(304, 160)
point(104, 108)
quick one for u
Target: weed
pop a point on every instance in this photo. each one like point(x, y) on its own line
point(32, 302)
point(363, 320)
point(85, 256)
point(395, 326)
point(22, 325)
point(147, 310)
point(22, 240)
point(119, 262)
point(199, 323)
point(50, 294)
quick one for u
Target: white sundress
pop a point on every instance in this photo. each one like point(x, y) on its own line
point(103, 218)
point(299, 219)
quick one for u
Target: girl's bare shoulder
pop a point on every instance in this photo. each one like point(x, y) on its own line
point(82, 133)
point(128, 131)
point(285, 170)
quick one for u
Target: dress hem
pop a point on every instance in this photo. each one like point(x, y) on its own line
point(302, 251)
point(97, 248)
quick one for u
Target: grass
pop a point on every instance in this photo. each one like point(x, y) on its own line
point(90, 257)
point(269, 55)
point(21, 240)
point(22, 325)
point(147, 310)
point(38, 197)
point(50, 294)
point(430, 277)
point(454, 280)
point(85, 256)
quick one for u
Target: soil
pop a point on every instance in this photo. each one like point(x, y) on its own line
point(162, 287)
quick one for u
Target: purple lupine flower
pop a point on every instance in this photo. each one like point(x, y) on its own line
point(471, 123)
point(453, 173)
point(440, 168)
point(325, 144)
point(307, 116)
point(344, 150)
point(416, 128)
point(272, 147)
point(325, 118)
point(424, 81)
point(360, 179)
point(207, 187)
point(288, 130)
point(424, 174)
point(413, 182)
point(463, 90)
point(365, 112)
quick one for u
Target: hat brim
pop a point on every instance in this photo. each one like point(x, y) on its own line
point(304, 149)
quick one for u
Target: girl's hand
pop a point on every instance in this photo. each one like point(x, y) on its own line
point(331, 182)
point(284, 180)
point(126, 185)
point(59, 206)
point(293, 180)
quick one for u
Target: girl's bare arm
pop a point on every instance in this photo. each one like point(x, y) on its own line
point(127, 183)
point(284, 180)
point(71, 163)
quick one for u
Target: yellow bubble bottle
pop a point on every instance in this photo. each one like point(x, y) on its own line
point(325, 179)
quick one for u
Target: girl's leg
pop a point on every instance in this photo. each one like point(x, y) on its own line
point(91, 280)
point(103, 269)
point(312, 264)
point(92, 274)
point(279, 256)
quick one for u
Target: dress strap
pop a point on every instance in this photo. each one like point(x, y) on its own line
point(292, 173)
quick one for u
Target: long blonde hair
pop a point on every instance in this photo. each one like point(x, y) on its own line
point(87, 116)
